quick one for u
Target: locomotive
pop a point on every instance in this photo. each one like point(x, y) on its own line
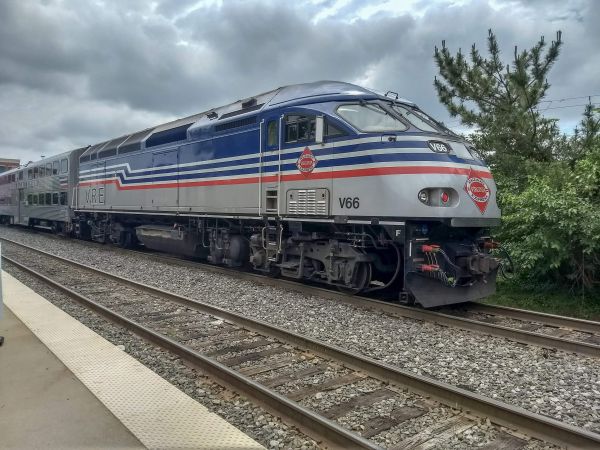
point(325, 182)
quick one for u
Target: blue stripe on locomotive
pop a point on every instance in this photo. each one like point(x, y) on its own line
point(349, 160)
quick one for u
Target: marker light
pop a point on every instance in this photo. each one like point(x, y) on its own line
point(445, 197)
point(424, 196)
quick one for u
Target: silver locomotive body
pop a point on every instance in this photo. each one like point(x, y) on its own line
point(325, 181)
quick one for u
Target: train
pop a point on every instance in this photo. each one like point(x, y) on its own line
point(325, 182)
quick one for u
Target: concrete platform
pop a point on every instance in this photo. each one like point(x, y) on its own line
point(64, 386)
point(43, 405)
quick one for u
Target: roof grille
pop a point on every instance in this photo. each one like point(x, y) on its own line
point(236, 124)
point(166, 136)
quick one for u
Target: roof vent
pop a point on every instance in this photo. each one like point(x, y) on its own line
point(212, 115)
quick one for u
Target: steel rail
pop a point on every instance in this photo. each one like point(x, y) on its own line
point(552, 320)
point(535, 425)
point(394, 309)
point(315, 425)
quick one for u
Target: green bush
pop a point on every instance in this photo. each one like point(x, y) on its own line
point(552, 227)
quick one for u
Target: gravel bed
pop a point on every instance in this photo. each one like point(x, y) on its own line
point(252, 420)
point(560, 385)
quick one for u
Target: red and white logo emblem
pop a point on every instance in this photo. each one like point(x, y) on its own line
point(478, 191)
point(306, 162)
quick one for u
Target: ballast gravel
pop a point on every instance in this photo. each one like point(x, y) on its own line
point(252, 420)
point(560, 385)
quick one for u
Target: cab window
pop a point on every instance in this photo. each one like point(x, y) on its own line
point(370, 118)
point(299, 128)
point(48, 169)
point(64, 165)
point(331, 130)
point(55, 167)
point(63, 198)
point(272, 133)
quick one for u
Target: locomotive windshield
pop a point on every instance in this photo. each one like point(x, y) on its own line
point(415, 117)
point(370, 118)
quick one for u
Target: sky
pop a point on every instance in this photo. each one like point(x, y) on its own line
point(74, 73)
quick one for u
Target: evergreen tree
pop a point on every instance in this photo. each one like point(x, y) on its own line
point(502, 101)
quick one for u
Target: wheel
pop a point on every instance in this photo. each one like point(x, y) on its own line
point(360, 280)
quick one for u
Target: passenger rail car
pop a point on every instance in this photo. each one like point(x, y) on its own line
point(326, 181)
point(40, 192)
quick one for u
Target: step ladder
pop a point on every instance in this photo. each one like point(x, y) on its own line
point(271, 238)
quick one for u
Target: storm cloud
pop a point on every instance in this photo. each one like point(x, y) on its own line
point(74, 73)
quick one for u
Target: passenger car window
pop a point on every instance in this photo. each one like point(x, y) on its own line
point(55, 166)
point(48, 198)
point(21, 174)
point(299, 128)
point(55, 198)
point(29, 199)
point(41, 199)
point(63, 198)
point(48, 169)
point(35, 199)
point(272, 133)
point(64, 165)
point(370, 118)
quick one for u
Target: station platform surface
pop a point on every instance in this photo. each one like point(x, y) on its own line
point(64, 386)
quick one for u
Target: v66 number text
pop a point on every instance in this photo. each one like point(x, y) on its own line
point(349, 202)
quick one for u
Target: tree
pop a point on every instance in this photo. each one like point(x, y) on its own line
point(502, 101)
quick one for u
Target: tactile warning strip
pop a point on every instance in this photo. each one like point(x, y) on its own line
point(155, 411)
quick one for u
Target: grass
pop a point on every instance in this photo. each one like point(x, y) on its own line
point(563, 302)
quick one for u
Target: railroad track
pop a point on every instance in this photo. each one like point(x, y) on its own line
point(314, 385)
point(526, 327)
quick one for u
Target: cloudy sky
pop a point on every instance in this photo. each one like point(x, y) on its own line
point(75, 72)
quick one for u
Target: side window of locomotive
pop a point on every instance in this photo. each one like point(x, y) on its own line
point(272, 133)
point(299, 128)
point(63, 198)
point(331, 130)
point(55, 198)
point(55, 167)
point(64, 165)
